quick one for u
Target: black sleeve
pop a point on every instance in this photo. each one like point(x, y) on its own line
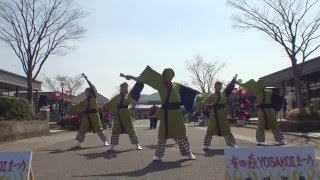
point(277, 101)
point(92, 88)
point(136, 91)
point(230, 87)
point(187, 97)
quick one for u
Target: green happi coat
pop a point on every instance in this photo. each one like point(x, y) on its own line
point(198, 103)
point(89, 121)
point(174, 126)
point(218, 126)
point(266, 117)
point(122, 122)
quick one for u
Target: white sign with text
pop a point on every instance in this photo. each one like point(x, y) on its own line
point(15, 165)
point(267, 163)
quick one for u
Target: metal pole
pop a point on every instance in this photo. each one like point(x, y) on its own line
point(62, 104)
point(69, 112)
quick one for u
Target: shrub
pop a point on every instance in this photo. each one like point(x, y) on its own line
point(305, 115)
point(315, 103)
point(12, 108)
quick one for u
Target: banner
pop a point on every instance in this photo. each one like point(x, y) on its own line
point(267, 163)
point(16, 165)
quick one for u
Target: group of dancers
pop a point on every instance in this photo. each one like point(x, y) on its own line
point(172, 125)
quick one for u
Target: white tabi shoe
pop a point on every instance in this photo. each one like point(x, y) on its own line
point(111, 148)
point(191, 156)
point(156, 158)
point(234, 146)
point(78, 145)
point(259, 143)
point(282, 142)
point(139, 147)
point(106, 143)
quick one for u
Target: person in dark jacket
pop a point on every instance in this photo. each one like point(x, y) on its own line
point(153, 119)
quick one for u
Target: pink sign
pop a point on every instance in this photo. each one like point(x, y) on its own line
point(57, 94)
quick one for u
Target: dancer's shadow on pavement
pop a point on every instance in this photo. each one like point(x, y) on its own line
point(106, 154)
point(148, 129)
point(211, 152)
point(152, 167)
point(58, 151)
point(155, 146)
point(269, 145)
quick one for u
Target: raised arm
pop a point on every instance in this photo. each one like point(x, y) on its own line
point(231, 86)
point(129, 77)
point(136, 91)
point(149, 77)
point(79, 107)
point(111, 105)
point(251, 84)
point(92, 87)
point(187, 97)
point(201, 101)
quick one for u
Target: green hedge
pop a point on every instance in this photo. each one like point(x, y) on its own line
point(12, 108)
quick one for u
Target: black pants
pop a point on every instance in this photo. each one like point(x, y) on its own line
point(153, 123)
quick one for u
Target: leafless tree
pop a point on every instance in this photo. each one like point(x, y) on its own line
point(73, 84)
point(36, 29)
point(116, 91)
point(184, 83)
point(203, 74)
point(294, 24)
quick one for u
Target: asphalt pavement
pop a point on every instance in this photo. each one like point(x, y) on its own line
point(55, 158)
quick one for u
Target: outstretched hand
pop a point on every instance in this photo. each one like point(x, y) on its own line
point(85, 76)
point(128, 77)
point(235, 77)
point(239, 82)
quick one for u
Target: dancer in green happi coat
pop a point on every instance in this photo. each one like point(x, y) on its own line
point(122, 123)
point(267, 101)
point(90, 117)
point(173, 96)
point(219, 123)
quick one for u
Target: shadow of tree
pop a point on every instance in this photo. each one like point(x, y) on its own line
point(58, 151)
point(152, 167)
point(304, 140)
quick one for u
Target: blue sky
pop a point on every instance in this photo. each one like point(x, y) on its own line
point(125, 36)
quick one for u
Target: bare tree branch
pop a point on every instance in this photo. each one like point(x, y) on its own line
point(285, 21)
point(50, 84)
point(288, 22)
point(73, 84)
point(203, 74)
point(34, 30)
